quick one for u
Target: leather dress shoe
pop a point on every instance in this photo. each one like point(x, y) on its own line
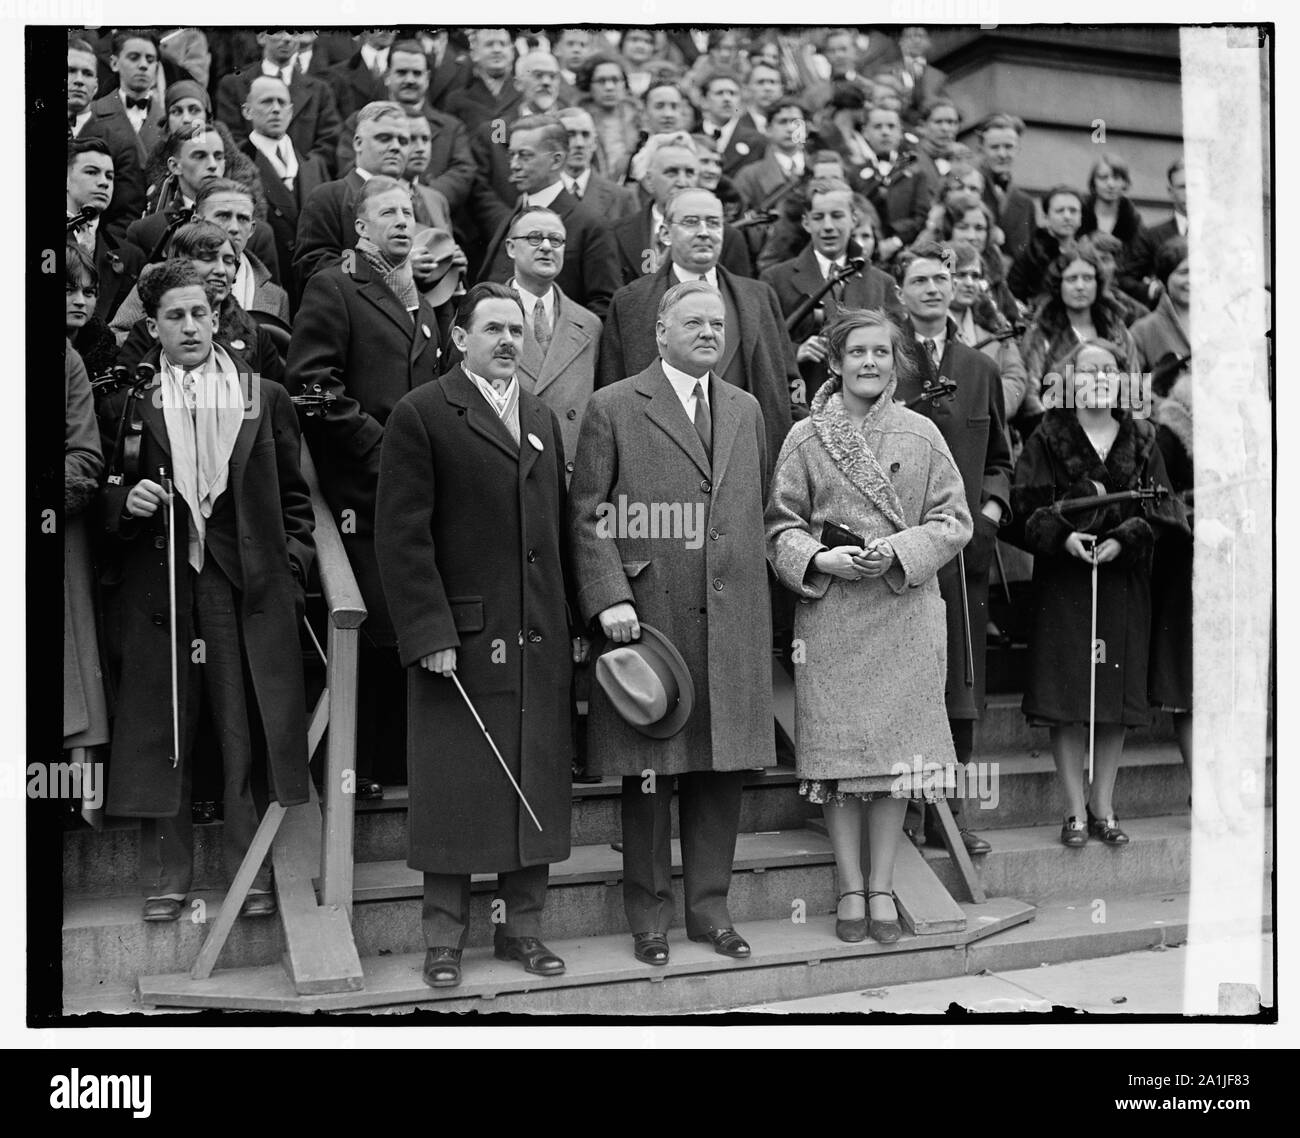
point(258, 905)
point(650, 948)
point(883, 932)
point(1107, 829)
point(973, 842)
point(161, 909)
point(1074, 833)
point(369, 789)
point(854, 929)
point(442, 967)
point(531, 953)
point(726, 942)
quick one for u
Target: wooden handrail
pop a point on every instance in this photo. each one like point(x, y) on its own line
point(338, 582)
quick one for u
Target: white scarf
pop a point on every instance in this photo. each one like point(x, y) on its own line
point(202, 440)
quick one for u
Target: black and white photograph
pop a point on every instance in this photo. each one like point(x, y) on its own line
point(693, 524)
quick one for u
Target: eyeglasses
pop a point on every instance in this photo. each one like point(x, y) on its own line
point(712, 224)
point(535, 239)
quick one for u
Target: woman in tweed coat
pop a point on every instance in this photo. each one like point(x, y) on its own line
point(870, 629)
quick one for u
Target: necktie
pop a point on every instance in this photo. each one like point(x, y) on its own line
point(932, 350)
point(541, 326)
point(703, 420)
point(282, 152)
point(575, 188)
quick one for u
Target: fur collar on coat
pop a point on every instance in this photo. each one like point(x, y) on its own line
point(1070, 446)
point(848, 449)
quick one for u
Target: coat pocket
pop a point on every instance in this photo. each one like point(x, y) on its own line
point(634, 569)
point(467, 613)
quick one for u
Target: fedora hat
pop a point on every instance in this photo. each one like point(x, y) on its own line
point(648, 683)
point(442, 245)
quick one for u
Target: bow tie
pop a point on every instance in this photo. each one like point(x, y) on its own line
point(141, 104)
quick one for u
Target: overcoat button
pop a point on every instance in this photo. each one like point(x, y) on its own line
point(534, 637)
point(713, 534)
point(706, 485)
point(160, 543)
point(571, 413)
point(717, 583)
point(532, 555)
point(568, 466)
point(158, 618)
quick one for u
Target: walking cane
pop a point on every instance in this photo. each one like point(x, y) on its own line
point(965, 619)
point(1092, 666)
point(166, 484)
point(465, 696)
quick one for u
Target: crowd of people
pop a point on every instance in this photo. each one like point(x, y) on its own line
point(535, 281)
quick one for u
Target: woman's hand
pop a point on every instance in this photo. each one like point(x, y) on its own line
point(842, 562)
point(812, 350)
point(1080, 545)
point(877, 559)
point(1107, 550)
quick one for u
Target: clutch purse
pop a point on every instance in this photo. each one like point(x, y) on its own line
point(835, 535)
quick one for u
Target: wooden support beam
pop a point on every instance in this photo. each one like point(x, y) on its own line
point(340, 770)
point(957, 850)
point(924, 905)
point(783, 699)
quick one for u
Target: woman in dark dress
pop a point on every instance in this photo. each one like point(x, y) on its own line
point(1096, 446)
point(89, 335)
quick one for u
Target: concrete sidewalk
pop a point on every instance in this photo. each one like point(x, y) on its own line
point(1149, 982)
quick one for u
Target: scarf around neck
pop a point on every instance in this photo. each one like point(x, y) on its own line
point(850, 449)
point(397, 278)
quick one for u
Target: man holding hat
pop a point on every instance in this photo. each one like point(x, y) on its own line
point(474, 565)
point(684, 688)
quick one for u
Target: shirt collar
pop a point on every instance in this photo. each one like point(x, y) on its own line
point(940, 338)
point(81, 121)
point(498, 402)
point(684, 384)
point(547, 196)
point(529, 300)
point(826, 265)
point(682, 276)
point(374, 56)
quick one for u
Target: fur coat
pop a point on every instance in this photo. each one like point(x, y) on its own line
point(870, 654)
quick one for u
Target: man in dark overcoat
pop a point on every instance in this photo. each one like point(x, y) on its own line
point(367, 345)
point(755, 355)
point(676, 437)
point(960, 390)
point(472, 552)
point(243, 541)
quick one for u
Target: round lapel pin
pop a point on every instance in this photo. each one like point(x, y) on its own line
point(427, 333)
point(537, 443)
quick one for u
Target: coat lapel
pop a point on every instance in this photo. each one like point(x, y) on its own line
point(848, 449)
point(743, 335)
point(665, 410)
point(569, 340)
point(533, 424)
point(377, 293)
point(724, 404)
point(459, 389)
point(424, 332)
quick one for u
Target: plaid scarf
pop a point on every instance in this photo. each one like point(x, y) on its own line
point(396, 277)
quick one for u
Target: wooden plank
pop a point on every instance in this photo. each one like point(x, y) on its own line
point(957, 850)
point(925, 906)
point(340, 770)
point(783, 700)
point(320, 718)
point(343, 598)
point(234, 900)
point(321, 955)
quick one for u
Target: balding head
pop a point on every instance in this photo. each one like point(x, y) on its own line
point(269, 106)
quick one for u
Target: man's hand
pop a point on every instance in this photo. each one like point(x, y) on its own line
point(619, 623)
point(812, 350)
point(442, 662)
point(992, 509)
point(888, 247)
point(843, 562)
point(422, 265)
point(144, 498)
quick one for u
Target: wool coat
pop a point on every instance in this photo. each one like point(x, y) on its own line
point(634, 240)
point(85, 712)
point(711, 601)
point(354, 340)
point(870, 681)
point(1159, 334)
point(472, 551)
point(1016, 211)
point(314, 127)
point(757, 356)
point(1058, 462)
point(273, 522)
point(973, 424)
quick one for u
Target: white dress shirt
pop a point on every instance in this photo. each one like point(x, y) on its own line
point(683, 275)
point(546, 197)
point(827, 266)
point(684, 387)
point(940, 340)
point(577, 184)
point(375, 58)
point(274, 72)
point(530, 302)
point(791, 164)
point(80, 122)
point(279, 152)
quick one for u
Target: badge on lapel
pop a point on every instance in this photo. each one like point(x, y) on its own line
point(537, 443)
point(742, 148)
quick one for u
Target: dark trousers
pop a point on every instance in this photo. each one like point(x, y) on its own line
point(522, 893)
point(963, 743)
point(167, 844)
point(708, 805)
point(381, 714)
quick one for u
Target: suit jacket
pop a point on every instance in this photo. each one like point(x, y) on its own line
point(757, 357)
point(283, 205)
point(632, 238)
point(127, 203)
point(474, 103)
point(326, 226)
point(745, 145)
point(759, 179)
point(589, 275)
point(451, 162)
point(1157, 235)
point(932, 82)
point(794, 281)
point(1017, 214)
point(352, 339)
point(314, 128)
point(447, 77)
point(973, 424)
point(149, 134)
point(353, 85)
point(903, 198)
point(118, 263)
point(608, 200)
point(709, 597)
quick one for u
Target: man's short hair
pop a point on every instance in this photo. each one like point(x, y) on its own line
point(485, 290)
point(406, 47)
point(887, 104)
point(659, 83)
point(87, 146)
point(197, 239)
point(671, 204)
point(120, 37)
point(679, 292)
point(531, 211)
point(380, 109)
point(1057, 191)
point(76, 43)
point(213, 186)
point(786, 103)
point(375, 185)
point(158, 280)
point(1001, 121)
point(716, 76)
point(1107, 244)
point(846, 96)
point(656, 142)
point(927, 251)
point(173, 142)
point(933, 103)
point(553, 132)
point(1169, 256)
point(766, 66)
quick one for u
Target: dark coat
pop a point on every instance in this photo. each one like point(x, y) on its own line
point(314, 128)
point(1059, 461)
point(283, 207)
point(145, 234)
point(469, 533)
point(745, 145)
point(273, 517)
point(127, 203)
point(903, 198)
point(451, 163)
point(1016, 211)
point(118, 262)
point(149, 134)
point(711, 601)
point(474, 104)
point(353, 339)
point(1169, 682)
point(1027, 276)
point(588, 275)
point(634, 241)
point(326, 227)
point(1135, 265)
point(794, 281)
point(760, 354)
point(973, 424)
point(352, 85)
point(609, 200)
